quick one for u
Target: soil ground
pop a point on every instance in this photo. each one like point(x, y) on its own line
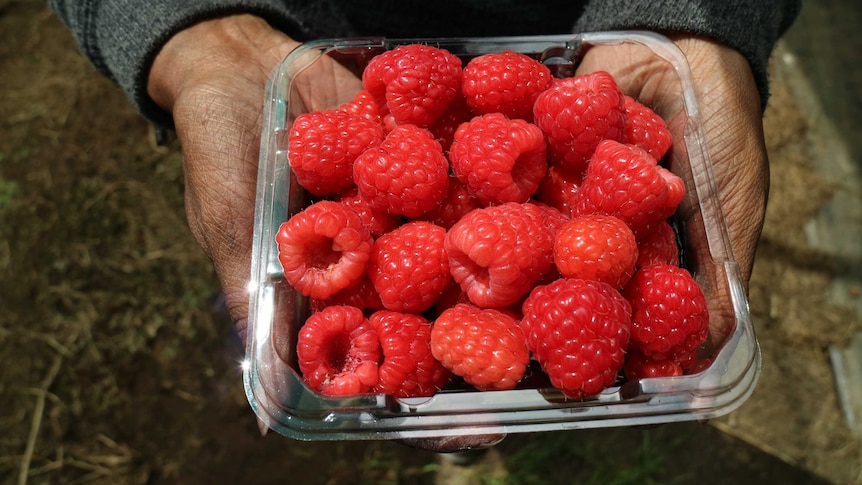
point(117, 365)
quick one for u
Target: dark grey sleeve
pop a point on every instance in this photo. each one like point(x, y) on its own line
point(121, 37)
point(750, 26)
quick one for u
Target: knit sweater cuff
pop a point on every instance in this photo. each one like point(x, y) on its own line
point(122, 37)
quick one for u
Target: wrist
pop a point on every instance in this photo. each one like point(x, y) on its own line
point(241, 45)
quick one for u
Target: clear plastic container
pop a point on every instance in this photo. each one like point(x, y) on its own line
point(276, 391)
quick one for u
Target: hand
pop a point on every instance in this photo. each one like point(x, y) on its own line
point(211, 77)
point(730, 112)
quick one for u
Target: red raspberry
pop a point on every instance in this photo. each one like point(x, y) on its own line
point(323, 146)
point(378, 222)
point(559, 189)
point(500, 160)
point(409, 267)
point(361, 295)
point(638, 366)
point(445, 127)
point(626, 182)
point(409, 369)
point(659, 245)
point(365, 106)
point(553, 220)
point(498, 253)
point(698, 364)
point(552, 217)
point(578, 330)
point(485, 347)
point(596, 247)
point(406, 174)
point(577, 113)
point(323, 249)
point(418, 82)
point(646, 129)
point(458, 202)
point(505, 82)
point(669, 314)
point(451, 296)
point(338, 352)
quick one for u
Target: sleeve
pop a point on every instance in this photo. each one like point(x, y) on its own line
point(750, 27)
point(122, 37)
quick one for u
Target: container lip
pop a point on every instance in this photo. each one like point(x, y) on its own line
point(715, 392)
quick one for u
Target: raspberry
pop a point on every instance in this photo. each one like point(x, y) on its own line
point(596, 247)
point(445, 127)
point(500, 160)
point(669, 314)
point(365, 106)
point(659, 245)
point(626, 182)
point(418, 82)
point(323, 249)
point(458, 202)
point(578, 330)
point(451, 296)
point(406, 174)
point(323, 146)
point(559, 189)
point(645, 129)
point(409, 267)
point(577, 113)
point(553, 220)
point(361, 295)
point(338, 352)
point(504, 82)
point(409, 369)
point(484, 346)
point(698, 364)
point(498, 253)
point(638, 366)
point(552, 217)
point(378, 222)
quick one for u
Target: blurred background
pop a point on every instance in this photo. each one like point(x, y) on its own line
point(117, 365)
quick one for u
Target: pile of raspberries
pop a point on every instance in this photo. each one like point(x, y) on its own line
point(469, 218)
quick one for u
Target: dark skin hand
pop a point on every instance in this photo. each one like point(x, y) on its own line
point(731, 118)
point(211, 78)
